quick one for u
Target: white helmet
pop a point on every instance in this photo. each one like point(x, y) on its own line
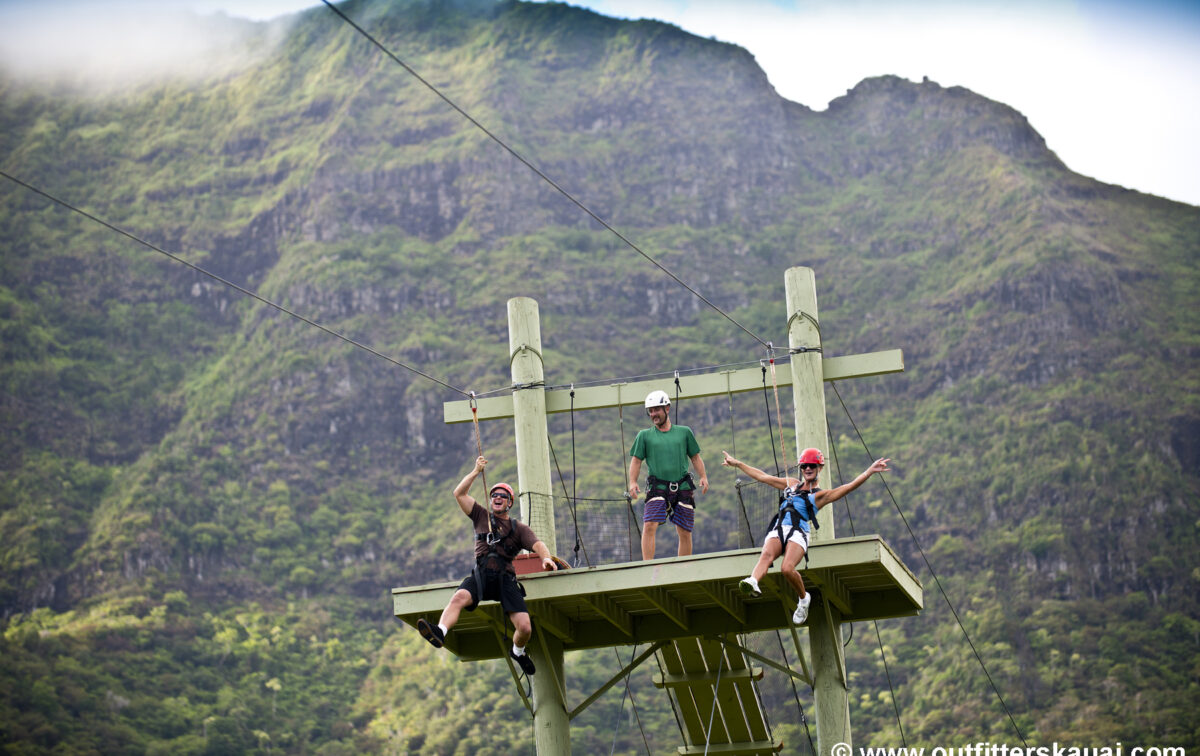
point(657, 399)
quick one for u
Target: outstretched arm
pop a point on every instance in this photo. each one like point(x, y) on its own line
point(464, 499)
point(828, 497)
point(754, 472)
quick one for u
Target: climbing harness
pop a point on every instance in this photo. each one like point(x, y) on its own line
point(501, 549)
point(669, 491)
point(795, 507)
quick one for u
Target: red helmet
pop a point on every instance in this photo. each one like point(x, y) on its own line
point(512, 498)
point(811, 457)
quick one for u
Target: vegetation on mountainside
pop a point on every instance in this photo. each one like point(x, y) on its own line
point(204, 501)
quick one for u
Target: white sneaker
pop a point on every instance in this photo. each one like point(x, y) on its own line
point(750, 588)
point(801, 612)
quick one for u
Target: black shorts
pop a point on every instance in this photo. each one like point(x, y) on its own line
point(497, 586)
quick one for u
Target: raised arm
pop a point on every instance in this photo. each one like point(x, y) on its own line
point(828, 497)
point(755, 473)
point(465, 502)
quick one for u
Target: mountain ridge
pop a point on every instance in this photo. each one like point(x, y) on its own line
point(184, 466)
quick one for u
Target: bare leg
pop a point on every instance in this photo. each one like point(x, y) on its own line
point(522, 628)
point(459, 601)
point(685, 541)
point(770, 552)
point(649, 530)
point(791, 557)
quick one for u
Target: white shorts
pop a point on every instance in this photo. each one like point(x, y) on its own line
point(799, 536)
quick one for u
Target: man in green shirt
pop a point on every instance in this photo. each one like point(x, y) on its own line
point(667, 450)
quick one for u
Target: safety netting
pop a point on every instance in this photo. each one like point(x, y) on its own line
point(597, 531)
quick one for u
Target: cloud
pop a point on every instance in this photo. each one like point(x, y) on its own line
point(92, 45)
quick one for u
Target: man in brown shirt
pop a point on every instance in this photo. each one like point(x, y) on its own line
point(498, 538)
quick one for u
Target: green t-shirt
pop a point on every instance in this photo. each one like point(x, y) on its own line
point(667, 455)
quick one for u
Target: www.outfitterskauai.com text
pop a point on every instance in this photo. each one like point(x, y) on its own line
point(1003, 749)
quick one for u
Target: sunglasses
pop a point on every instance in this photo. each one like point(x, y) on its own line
point(809, 466)
point(500, 495)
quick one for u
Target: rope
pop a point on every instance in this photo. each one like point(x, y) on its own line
point(713, 712)
point(632, 703)
point(574, 480)
point(571, 505)
point(479, 441)
point(767, 405)
point(677, 389)
point(936, 579)
point(674, 710)
point(796, 693)
point(878, 635)
point(230, 284)
point(537, 171)
point(732, 433)
point(778, 411)
point(633, 523)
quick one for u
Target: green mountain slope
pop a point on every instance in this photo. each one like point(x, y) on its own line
point(205, 501)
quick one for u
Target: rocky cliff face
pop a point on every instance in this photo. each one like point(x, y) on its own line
point(161, 429)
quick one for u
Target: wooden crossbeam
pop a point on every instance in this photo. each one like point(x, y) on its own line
point(709, 678)
point(690, 387)
point(728, 600)
point(671, 608)
point(833, 589)
point(555, 622)
point(608, 609)
point(763, 748)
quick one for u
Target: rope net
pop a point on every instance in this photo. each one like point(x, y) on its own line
point(593, 532)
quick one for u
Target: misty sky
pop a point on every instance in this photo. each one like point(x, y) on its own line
point(1114, 87)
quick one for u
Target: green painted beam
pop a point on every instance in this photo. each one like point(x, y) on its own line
point(733, 749)
point(709, 678)
point(632, 665)
point(621, 604)
point(691, 386)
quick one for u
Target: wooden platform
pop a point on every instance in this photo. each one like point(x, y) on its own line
point(676, 597)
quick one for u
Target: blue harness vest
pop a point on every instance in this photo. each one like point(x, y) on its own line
point(796, 511)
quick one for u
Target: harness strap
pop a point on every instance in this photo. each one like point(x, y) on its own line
point(658, 484)
point(654, 485)
point(510, 541)
point(787, 506)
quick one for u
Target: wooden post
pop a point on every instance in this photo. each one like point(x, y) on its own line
point(824, 623)
point(552, 733)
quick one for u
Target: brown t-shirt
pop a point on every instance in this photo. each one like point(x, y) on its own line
point(479, 518)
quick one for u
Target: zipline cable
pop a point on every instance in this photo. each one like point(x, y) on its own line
point(936, 579)
point(230, 284)
point(713, 712)
point(878, 635)
point(535, 169)
point(632, 702)
point(563, 482)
